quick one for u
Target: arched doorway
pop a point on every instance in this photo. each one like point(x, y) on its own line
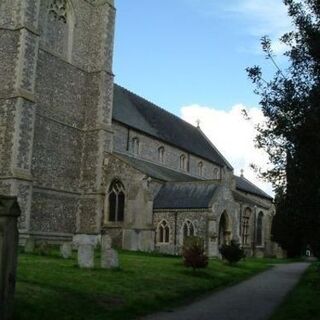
point(224, 229)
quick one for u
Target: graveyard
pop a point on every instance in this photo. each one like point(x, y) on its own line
point(51, 287)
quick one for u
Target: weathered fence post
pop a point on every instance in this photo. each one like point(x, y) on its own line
point(9, 213)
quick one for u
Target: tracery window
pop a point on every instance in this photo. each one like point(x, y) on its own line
point(161, 154)
point(200, 168)
point(188, 229)
point(58, 10)
point(135, 145)
point(259, 229)
point(183, 162)
point(246, 227)
point(58, 27)
point(116, 201)
point(163, 232)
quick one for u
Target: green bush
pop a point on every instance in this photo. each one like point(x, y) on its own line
point(232, 252)
point(193, 253)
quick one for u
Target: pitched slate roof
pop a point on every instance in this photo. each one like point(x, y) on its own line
point(240, 197)
point(142, 115)
point(185, 195)
point(153, 170)
point(245, 185)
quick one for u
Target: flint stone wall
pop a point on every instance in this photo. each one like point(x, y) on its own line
point(56, 87)
point(148, 150)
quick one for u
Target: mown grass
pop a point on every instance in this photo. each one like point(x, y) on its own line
point(49, 287)
point(303, 303)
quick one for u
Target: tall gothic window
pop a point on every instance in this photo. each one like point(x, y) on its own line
point(161, 154)
point(58, 27)
point(246, 227)
point(163, 232)
point(188, 229)
point(259, 229)
point(183, 162)
point(135, 145)
point(116, 201)
point(200, 168)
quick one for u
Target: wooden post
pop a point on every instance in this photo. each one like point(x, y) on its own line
point(9, 213)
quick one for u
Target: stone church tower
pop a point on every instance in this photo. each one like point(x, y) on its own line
point(56, 86)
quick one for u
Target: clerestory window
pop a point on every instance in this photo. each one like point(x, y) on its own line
point(183, 162)
point(200, 168)
point(161, 154)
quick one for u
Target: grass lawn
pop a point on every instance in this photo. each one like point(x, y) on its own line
point(303, 303)
point(49, 287)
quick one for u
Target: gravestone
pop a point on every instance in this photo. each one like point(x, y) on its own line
point(109, 259)
point(109, 256)
point(85, 252)
point(9, 213)
point(86, 256)
point(66, 250)
point(29, 245)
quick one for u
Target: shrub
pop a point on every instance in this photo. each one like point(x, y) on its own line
point(193, 253)
point(42, 248)
point(232, 252)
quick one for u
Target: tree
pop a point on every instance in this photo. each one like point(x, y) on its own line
point(194, 254)
point(291, 135)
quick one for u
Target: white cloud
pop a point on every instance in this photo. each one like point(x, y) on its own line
point(233, 136)
point(263, 18)
point(255, 18)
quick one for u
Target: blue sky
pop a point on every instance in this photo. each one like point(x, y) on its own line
point(189, 56)
point(178, 52)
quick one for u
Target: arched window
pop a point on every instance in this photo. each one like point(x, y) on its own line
point(163, 232)
point(135, 145)
point(215, 173)
point(246, 226)
point(200, 168)
point(116, 201)
point(183, 162)
point(161, 154)
point(259, 229)
point(58, 27)
point(188, 229)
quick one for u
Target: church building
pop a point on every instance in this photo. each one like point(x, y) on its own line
point(86, 156)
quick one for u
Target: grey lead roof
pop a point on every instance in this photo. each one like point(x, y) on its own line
point(240, 197)
point(185, 195)
point(155, 171)
point(245, 185)
point(140, 114)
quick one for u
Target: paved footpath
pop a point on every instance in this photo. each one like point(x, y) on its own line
point(253, 299)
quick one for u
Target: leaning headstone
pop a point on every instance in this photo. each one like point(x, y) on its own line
point(109, 259)
point(106, 242)
point(29, 245)
point(66, 250)
point(9, 213)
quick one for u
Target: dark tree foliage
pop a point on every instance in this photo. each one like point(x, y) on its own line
point(232, 252)
point(194, 254)
point(291, 135)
